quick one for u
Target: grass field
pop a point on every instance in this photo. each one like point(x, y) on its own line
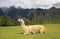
point(15, 32)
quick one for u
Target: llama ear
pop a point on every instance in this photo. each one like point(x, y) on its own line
point(21, 18)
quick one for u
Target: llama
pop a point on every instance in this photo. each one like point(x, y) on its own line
point(32, 28)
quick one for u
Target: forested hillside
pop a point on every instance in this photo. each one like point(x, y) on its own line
point(31, 16)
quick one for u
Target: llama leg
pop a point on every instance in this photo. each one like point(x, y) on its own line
point(24, 33)
point(27, 32)
point(33, 32)
point(41, 31)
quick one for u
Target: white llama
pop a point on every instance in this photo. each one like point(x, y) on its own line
point(32, 28)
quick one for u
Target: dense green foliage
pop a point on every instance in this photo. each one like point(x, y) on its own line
point(5, 21)
point(53, 16)
point(16, 32)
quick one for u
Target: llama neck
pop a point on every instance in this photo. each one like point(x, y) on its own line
point(23, 24)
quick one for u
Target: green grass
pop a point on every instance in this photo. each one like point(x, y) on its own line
point(15, 32)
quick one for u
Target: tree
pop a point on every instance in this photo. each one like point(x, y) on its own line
point(7, 21)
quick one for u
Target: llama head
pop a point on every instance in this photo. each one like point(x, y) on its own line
point(21, 20)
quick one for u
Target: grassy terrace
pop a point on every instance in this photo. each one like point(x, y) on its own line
point(16, 32)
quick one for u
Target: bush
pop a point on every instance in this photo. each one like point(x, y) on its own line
point(7, 21)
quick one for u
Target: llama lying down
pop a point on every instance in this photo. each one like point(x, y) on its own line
point(32, 28)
